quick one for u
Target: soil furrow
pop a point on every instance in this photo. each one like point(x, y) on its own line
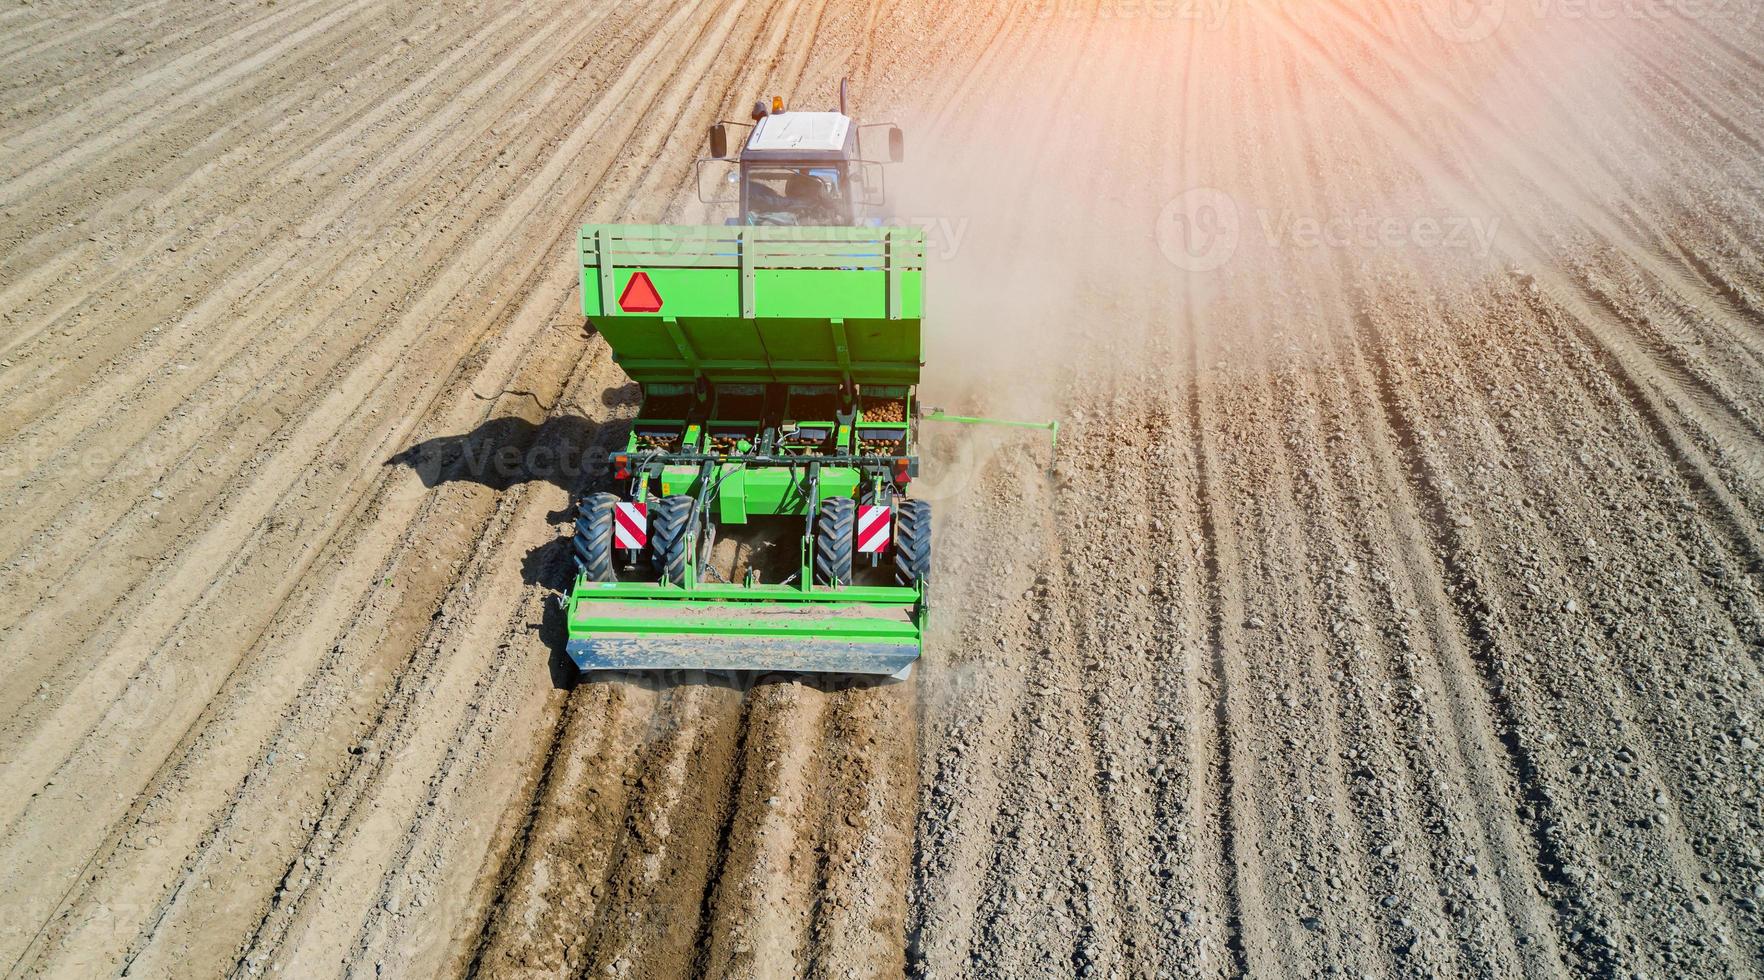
point(1393, 605)
point(1577, 932)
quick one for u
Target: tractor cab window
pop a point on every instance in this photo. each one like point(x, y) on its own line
point(797, 196)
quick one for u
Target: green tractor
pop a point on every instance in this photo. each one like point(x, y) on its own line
point(778, 357)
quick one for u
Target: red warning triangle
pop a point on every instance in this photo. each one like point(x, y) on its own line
point(640, 295)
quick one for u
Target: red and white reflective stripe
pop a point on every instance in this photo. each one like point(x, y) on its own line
point(631, 525)
point(872, 529)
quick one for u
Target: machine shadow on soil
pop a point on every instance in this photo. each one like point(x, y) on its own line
point(502, 453)
point(570, 452)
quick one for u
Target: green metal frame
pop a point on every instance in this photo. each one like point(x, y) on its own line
point(590, 598)
point(714, 626)
point(1051, 428)
point(822, 308)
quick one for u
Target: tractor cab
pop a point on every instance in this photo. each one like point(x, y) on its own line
point(801, 168)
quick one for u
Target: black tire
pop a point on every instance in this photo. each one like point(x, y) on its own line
point(912, 541)
point(592, 546)
point(670, 537)
point(835, 537)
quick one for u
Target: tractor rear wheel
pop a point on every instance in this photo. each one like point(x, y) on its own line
point(592, 545)
point(670, 537)
point(835, 536)
point(912, 542)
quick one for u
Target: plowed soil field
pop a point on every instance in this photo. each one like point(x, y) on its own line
point(1394, 607)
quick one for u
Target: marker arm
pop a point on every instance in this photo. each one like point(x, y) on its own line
point(1052, 428)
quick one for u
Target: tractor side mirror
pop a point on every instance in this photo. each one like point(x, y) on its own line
point(719, 141)
point(896, 145)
